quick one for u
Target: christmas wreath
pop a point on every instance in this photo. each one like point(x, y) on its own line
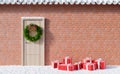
point(32, 32)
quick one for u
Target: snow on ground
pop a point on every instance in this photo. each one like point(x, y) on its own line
point(49, 70)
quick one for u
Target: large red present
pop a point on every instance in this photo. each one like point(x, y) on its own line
point(66, 67)
point(67, 60)
point(89, 66)
point(100, 64)
point(55, 64)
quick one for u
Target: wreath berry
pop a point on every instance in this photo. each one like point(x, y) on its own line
point(32, 32)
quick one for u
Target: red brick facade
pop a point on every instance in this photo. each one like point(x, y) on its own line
point(74, 30)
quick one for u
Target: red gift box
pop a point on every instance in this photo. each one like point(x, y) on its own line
point(76, 66)
point(55, 64)
point(66, 67)
point(96, 66)
point(67, 60)
point(70, 67)
point(100, 64)
point(89, 66)
point(80, 65)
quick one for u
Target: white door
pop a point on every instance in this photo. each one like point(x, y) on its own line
point(33, 52)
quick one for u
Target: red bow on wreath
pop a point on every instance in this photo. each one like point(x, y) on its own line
point(32, 28)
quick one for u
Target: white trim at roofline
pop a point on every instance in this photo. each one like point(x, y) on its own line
point(50, 2)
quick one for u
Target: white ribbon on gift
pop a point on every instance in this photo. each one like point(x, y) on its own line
point(66, 59)
point(79, 65)
point(98, 62)
point(90, 60)
point(87, 65)
point(68, 67)
point(93, 66)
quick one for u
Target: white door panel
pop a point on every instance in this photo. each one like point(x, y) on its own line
point(33, 52)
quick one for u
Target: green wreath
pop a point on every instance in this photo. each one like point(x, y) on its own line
point(34, 29)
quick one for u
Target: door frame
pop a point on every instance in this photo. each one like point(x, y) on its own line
point(22, 38)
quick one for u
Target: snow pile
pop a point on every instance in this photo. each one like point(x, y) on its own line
point(50, 70)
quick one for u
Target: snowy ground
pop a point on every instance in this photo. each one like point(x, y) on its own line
point(48, 70)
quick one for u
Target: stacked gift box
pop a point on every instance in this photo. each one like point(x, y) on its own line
point(86, 64)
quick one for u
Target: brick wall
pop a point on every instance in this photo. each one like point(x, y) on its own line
point(77, 31)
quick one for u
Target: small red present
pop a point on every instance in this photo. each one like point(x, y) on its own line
point(96, 66)
point(80, 65)
point(89, 66)
point(100, 64)
point(55, 64)
point(76, 66)
point(66, 67)
point(67, 60)
point(86, 60)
